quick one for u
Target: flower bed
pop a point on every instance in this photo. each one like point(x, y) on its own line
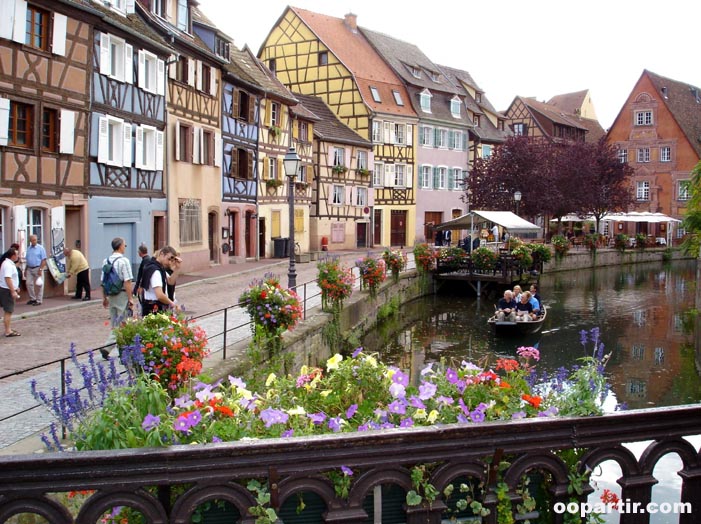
point(452, 258)
point(484, 259)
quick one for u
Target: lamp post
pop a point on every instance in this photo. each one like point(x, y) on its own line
point(291, 165)
point(517, 199)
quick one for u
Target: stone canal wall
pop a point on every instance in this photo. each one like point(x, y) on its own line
point(584, 259)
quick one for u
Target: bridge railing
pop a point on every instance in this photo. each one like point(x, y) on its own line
point(304, 480)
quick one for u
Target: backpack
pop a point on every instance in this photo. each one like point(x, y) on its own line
point(111, 283)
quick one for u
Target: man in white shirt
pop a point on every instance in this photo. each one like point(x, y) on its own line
point(122, 303)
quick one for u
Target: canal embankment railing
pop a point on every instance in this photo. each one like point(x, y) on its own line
point(168, 485)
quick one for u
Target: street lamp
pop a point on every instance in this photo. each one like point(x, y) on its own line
point(517, 199)
point(291, 165)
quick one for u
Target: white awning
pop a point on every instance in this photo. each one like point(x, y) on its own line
point(506, 219)
point(633, 216)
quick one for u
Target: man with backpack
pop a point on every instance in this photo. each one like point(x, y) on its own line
point(116, 288)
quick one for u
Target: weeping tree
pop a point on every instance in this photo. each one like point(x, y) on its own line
point(692, 218)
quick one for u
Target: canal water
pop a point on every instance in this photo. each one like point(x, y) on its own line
point(641, 310)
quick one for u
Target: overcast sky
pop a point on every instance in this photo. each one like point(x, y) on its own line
point(537, 48)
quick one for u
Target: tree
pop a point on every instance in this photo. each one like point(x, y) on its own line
point(692, 218)
point(603, 180)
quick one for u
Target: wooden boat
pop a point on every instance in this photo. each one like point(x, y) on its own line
point(509, 328)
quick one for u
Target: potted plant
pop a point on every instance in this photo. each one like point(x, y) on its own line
point(484, 259)
point(339, 169)
point(363, 172)
point(641, 241)
point(273, 183)
point(622, 242)
point(335, 282)
point(275, 131)
point(561, 245)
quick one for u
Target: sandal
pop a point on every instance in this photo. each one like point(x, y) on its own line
point(12, 334)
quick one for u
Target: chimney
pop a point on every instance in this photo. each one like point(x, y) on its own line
point(664, 92)
point(351, 22)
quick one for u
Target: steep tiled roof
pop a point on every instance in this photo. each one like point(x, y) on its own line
point(684, 102)
point(263, 76)
point(356, 53)
point(458, 76)
point(569, 102)
point(558, 116)
point(329, 127)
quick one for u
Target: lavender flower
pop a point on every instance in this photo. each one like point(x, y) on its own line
point(351, 411)
point(317, 418)
point(427, 390)
point(150, 422)
point(273, 416)
point(398, 407)
point(346, 471)
point(335, 424)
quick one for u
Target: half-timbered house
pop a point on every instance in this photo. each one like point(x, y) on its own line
point(126, 179)
point(657, 133)
point(193, 143)
point(442, 147)
point(328, 57)
point(45, 49)
point(340, 179)
point(546, 121)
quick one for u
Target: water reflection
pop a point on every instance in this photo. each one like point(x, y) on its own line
point(640, 310)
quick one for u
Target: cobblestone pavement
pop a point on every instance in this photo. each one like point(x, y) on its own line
point(47, 332)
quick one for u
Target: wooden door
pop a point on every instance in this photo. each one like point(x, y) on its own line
point(398, 228)
point(377, 229)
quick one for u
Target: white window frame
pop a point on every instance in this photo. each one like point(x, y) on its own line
point(397, 98)
point(362, 160)
point(272, 168)
point(643, 118)
point(684, 190)
point(643, 154)
point(183, 16)
point(642, 192)
point(35, 223)
point(519, 129)
point(339, 156)
point(151, 73)
point(458, 139)
point(425, 101)
point(665, 154)
point(440, 180)
point(378, 175)
point(442, 135)
point(338, 193)
point(361, 196)
point(455, 105)
point(114, 141)
point(623, 156)
point(375, 94)
point(116, 58)
point(190, 221)
point(149, 148)
point(400, 134)
point(425, 182)
point(302, 174)
point(400, 175)
point(377, 131)
point(426, 136)
point(487, 150)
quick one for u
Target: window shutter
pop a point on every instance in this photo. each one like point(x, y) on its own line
point(105, 63)
point(172, 67)
point(235, 102)
point(387, 137)
point(212, 81)
point(409, 172)
point(347, 157)
point(197, 142)
point(389, 175)
point(451, 178)
point(169, 11)
point(189, 147)
point(160, 77)
point(159, 150)
point(451, 139)
point(198, 76)
point(4, 121)
point(19, 28)
point(126, 152)
point(348, 195)
point(190, 72)
point(330, 157)
point(330, 198)
point(67, 134)
point(128, 64)
point(7, 22)
point(436, 137)
point(409, 135)
point(217, 149)
point(252, 102)
point(139, 150)
point(58, 42)
point(249, 172)
point(234, 166)
point(103, 140)
point(280, 171)
point(371, 196)
point(177, 140)
point(436, 182)
point(141, 73)
point(393, 133)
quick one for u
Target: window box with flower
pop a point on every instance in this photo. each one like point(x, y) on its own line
point(273, 183)
point(363, 172)
point(339, 170)
point(275, 131)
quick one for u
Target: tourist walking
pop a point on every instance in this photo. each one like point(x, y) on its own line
point(77, 265)
point(138, 285)
point(155, 280)
point(119, 303)
point(9, 288)
point(35, 258)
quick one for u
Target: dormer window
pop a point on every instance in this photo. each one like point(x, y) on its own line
point(643, 118)
point(221, 47)
point(425, 101)
point(415, 71)
point(272, 65)
point(183, 16)
point(478, 97)
point(117, 5)
point(455, 107)
point(436, 77)
point(158, 7)
point(398, 98)
point(375, 94)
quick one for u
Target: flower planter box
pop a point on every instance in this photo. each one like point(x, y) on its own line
point(303, 258)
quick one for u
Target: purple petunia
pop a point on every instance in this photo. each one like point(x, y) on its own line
point(335, 424)
point(415, 402)
point(357, 352)
point(427, 390)
point(518, 415)
point(347, 471)
point(397, 390)
point(351, 411)
point(317, 418)
point(150, 422)
point(445, 400)
point(451, 375)
point(406, 422)
point(273, 416)
point(400, 377)
point(181, 424)
point(398, 407)
point(477, 416)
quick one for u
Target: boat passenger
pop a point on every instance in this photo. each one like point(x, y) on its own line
point(506, 307)
point(524, 308)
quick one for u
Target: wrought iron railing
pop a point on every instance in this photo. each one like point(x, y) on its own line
point(169, 485)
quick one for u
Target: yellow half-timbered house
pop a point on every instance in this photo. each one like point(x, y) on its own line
point(328, 57)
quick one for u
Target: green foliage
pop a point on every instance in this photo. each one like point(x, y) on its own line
point(523, 255)
point(389, 309)
point(452, 257)
point(262, 511)
point(336, 284)
point(692, 220)
point(561, 245)
point(484, 259)
point(423, 490)
point(641, 241)
point(621, 242)
point(540, 253)
point(667, 255)
point(273, 183)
